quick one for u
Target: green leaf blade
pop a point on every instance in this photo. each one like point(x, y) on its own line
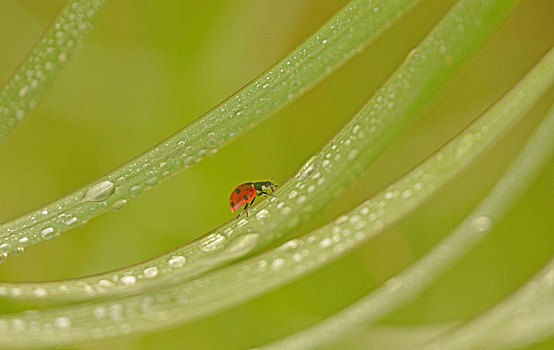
point(29, 83)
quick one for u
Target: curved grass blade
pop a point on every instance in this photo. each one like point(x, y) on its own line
point(358, 144)
point(33, 77)
point(234, 284)
point(407, 285)
point(337, 41)
point(524, 318)
point(393, 337)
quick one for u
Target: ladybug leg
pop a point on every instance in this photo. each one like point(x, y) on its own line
point(246, 208)
point(267, 194)
point(249, 205)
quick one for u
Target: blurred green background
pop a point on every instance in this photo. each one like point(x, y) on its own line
point(150, 68)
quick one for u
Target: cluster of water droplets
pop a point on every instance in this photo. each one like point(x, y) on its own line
point(214, 248)
point(22, 91)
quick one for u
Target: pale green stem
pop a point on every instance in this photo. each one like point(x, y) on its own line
point(524, 318)
point(32, 78)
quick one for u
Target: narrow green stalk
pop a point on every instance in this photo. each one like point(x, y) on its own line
point(409, 284)
point(392, 337)
point(338, 40)
point(524, 318)
point(33, 77)
point(408, 91)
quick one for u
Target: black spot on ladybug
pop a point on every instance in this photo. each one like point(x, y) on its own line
point(238, 190)
point(233, 204)
point(245, 198)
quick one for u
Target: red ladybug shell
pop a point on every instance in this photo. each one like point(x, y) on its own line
point(242, 195)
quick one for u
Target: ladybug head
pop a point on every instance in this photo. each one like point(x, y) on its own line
point(265, 185)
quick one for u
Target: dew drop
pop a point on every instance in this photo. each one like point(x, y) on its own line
point(481, 224)
point(243, 244)
point(135, 190)
point(18, 251)
point(228, 231)
point(18, 324)
point(325, 243)
point(297, 257)
point(40, 292)
point(105, 284)
point(286, 210)
point(393, 284)
point(119, 204)
point(212, 139)
point(177, 261)
point(128, 280)
point(71, 221)
point(99, 312)
point(277, 264)
point(62, 322)
point(152, 181)
point(212, 242)
point(292, 244)
point(189, 161)
point(176, 152)
point(465, 145)
point(99, 192)
point(23, 91)
point(62, 57)
point(262, 214)
point(151, 272)
point(47, 233)
point(353, 154)
point(4, 248)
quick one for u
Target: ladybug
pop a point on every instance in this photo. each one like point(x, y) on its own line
point(247, 193)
